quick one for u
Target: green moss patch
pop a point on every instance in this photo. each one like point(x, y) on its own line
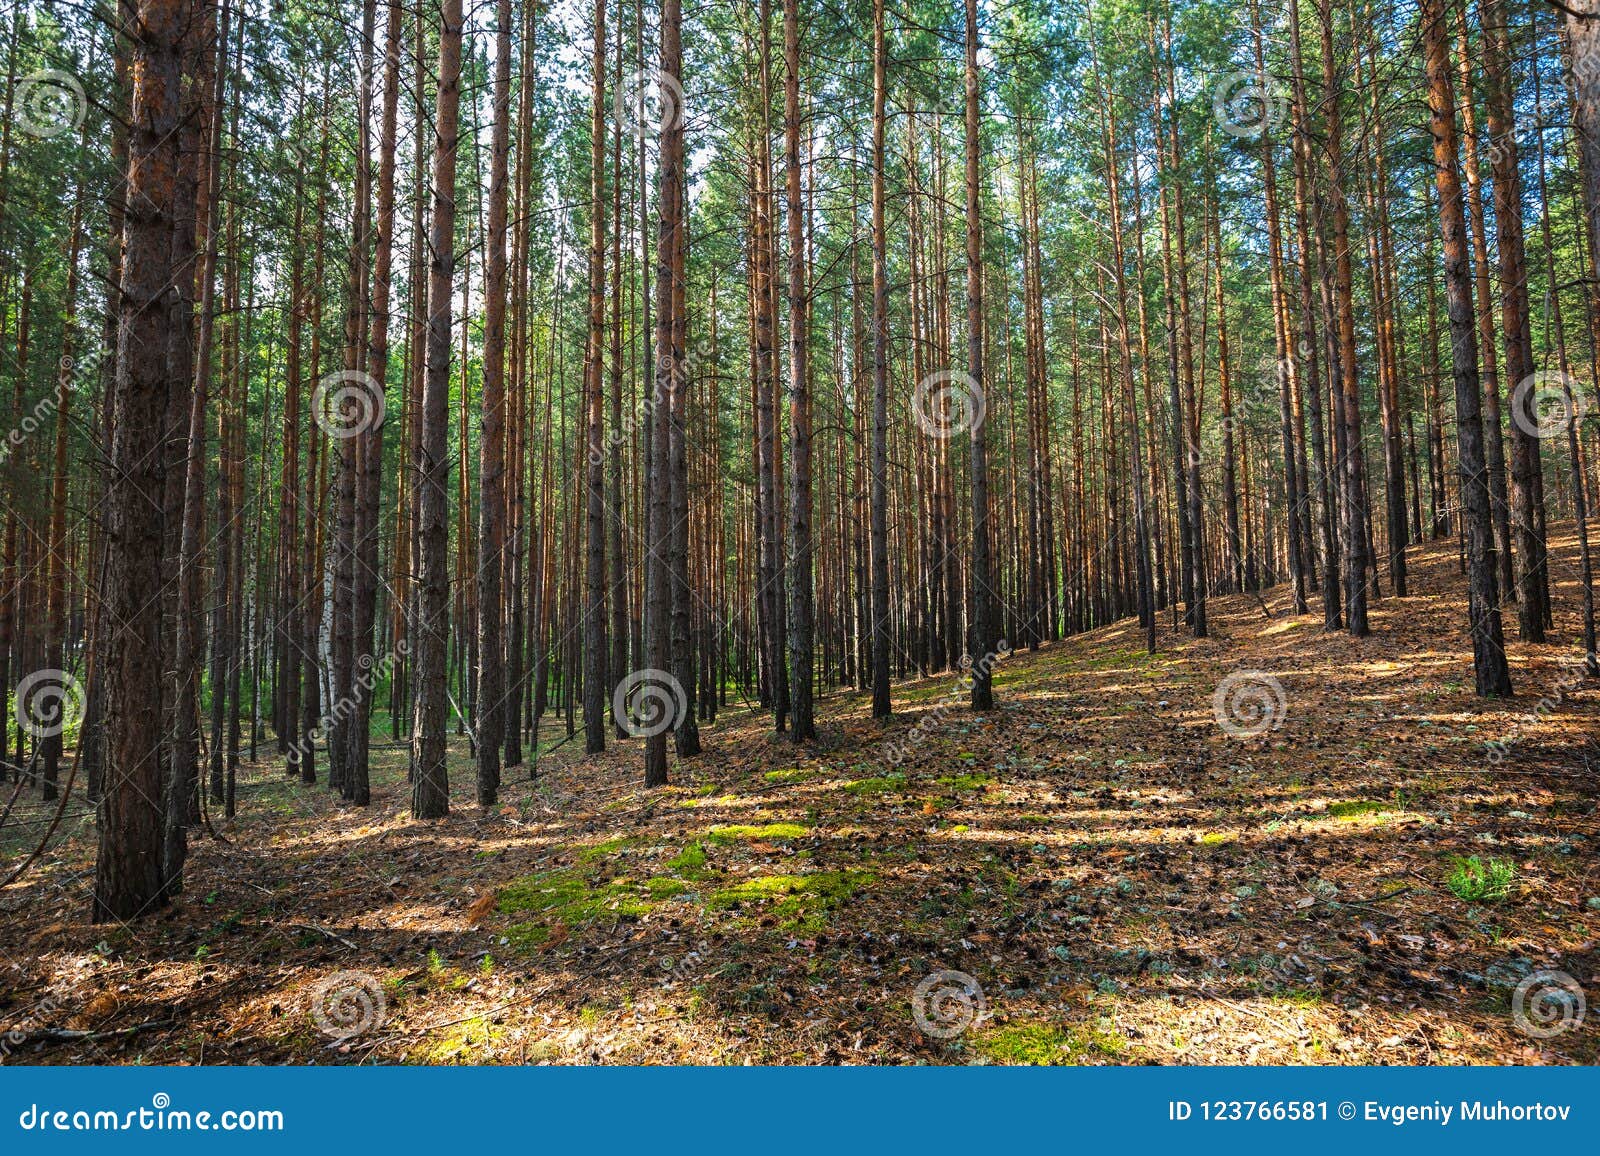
point(964, 782)
point(881, 785)
point(567, 897)
point(599, 851)
point(800, 902)
point(526, 937)
point(724, 836)
point(470, 1042)
point(790, 776)
point(690, 863)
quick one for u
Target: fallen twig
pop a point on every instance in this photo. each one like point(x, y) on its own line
point(317, 927)
point(78, 1035)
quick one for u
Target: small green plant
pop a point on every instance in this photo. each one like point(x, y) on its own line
point(1473, 880)
point(690, 863)
point(1357, 808)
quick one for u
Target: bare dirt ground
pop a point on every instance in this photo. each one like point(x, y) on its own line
point(1123, 880)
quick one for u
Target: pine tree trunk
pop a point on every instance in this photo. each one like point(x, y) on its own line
point(430, 788)
point(1527, 476)
point(1352, 468)
point(128, 879)
point(1488, 642)
point(594, 619)
point(801, 608)
point(879, 459)
point(668, 379)
point(981, 640)
point(1494, 442)
point(1307, 221)
point(1583, 36)
point(358, 788)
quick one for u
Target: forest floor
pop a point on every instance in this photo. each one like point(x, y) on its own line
point(1124, 881)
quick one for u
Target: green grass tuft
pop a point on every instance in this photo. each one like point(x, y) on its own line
point(1475, 881)
point(1356, 808)
point(1036, 1044)
point(600, 850)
